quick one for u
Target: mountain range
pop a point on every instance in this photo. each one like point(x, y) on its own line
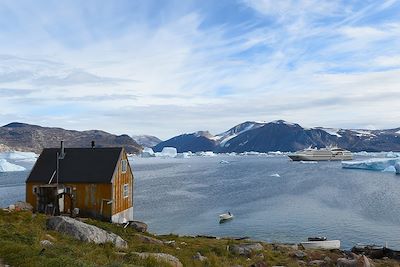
point(27, 137)
point(248, 136)
point(146, 140)
point(284, 136)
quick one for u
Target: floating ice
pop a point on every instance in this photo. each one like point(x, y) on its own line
point(169, 152)
point(390, 169)
point(308, 162)
point(224, 162)
point(380, 164)
point(275, 153)
point(392, 155)
point(275, 175)
point(397, 167)
point(147, 153)
point(184, 155)
point(206, 154)
point(18, 155)
point(6, 166)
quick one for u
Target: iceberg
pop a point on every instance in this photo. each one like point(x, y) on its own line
point(379, 164)
point(275, 175)
point(390, 169)
point(18, 155)
point(6, 166)
point(206, 154)
point(392, 155)
point(224, 162)
point(397, 167)
point(184, 155)
point(168, 152)
point(147, 153)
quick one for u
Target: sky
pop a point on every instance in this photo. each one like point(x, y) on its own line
point(167, 67)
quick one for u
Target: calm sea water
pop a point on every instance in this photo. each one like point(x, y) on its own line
point(185, 196)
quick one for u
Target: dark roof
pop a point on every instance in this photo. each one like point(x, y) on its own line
point(80, 165)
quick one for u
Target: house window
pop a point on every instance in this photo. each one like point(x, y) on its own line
point(35, 190)
point(124, 165)
point(126, 190)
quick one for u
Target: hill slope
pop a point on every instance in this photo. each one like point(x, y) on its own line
point(26, 137)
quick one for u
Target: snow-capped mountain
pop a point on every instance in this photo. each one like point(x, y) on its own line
point(198, 141)
point(281, 135)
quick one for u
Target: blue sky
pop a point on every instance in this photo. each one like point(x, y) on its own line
point(168, 67)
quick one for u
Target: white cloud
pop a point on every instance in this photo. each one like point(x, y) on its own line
point(311, 63)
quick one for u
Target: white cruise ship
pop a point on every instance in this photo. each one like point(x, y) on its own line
point(328, 153)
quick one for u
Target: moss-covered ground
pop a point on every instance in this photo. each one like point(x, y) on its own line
point(22, 231)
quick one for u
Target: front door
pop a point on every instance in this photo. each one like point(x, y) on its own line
point(106, 211)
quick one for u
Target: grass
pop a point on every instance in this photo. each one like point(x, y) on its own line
point(21, 233)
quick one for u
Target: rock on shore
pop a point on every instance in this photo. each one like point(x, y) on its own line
point(83, 231)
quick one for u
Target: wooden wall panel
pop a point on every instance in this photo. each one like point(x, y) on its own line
point(121, 203)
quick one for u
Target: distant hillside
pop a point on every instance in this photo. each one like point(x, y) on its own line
point(285, 136)
point(26, 137)
point(146, 140)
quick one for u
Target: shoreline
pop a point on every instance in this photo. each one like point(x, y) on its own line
point(25, 241)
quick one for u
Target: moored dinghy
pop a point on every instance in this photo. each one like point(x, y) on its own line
point(225, 217)
point(320, 243)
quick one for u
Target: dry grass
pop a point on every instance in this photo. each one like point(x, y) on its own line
point(21, 233)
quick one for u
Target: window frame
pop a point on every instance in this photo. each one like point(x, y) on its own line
point(124, 163)
point(125, 190)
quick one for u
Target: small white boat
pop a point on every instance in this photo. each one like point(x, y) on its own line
point(226, 216)
point(321, 243)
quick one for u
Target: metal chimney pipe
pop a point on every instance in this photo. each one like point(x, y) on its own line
point(62, 152)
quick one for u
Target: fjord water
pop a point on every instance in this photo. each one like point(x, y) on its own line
point(185, 196)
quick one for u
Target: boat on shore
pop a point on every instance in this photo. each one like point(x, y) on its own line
point(320, 243)
point(376, 252)
point(323, 154)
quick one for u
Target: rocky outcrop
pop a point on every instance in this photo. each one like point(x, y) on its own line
point(138, 226)
point(149, 240)
point(246, 249)
point(83, 231)
point(161, 257)
point(199, 257)
point(354, 261)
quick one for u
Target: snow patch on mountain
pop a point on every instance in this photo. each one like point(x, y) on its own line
point(224, 137)
point(331, 131)
point(363, 133)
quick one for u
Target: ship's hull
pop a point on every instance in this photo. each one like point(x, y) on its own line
point(302, 157)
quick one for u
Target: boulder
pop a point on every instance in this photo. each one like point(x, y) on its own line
point(161, 257)
point(138, 226)
point(354, 261)
point(83, 231)
point(317, 263)
point(46, 243)
point(343, 262)
point(246, 248)
point(200, 257)
point(20, 205)
point(259, 264)
point(299, 254)
point(150, 240)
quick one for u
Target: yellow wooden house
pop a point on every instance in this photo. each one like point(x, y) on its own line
point(91, 182)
